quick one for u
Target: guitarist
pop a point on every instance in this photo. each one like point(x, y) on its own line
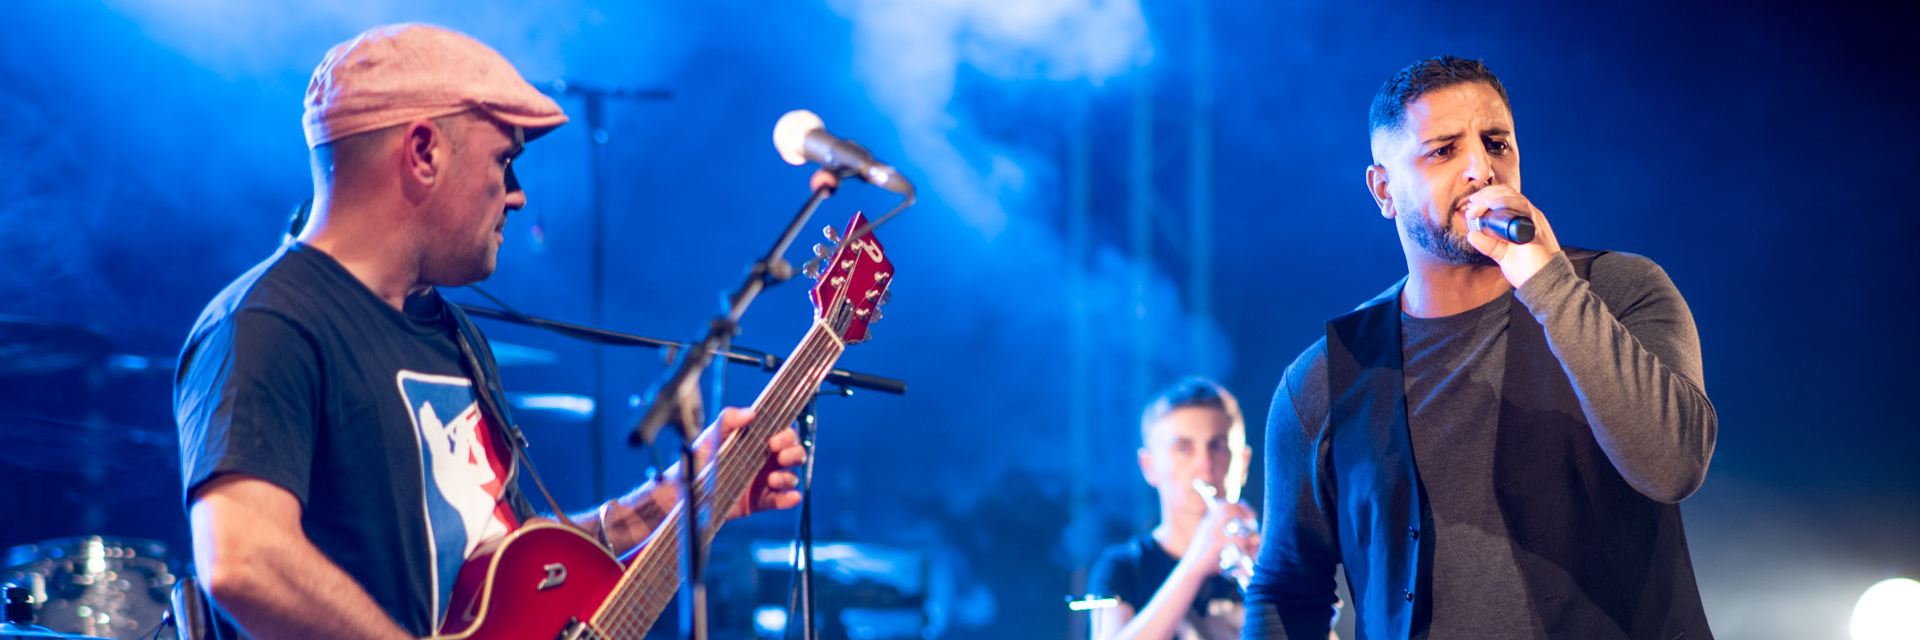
point(340, 448)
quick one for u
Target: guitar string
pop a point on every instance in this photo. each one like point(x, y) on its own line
point(813, 354)
point(632, 620)
point(808, 366)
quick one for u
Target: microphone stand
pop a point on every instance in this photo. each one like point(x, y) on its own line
point(803, 537)
point(737, 355)
point(677, 400)
point(594, 96)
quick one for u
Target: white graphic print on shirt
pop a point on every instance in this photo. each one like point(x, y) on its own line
point(462, 473)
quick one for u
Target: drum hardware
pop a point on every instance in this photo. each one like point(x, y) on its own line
point(17, 624)
point(31, 347)
point(94, 586)
point(508, 354)
point(63, 375)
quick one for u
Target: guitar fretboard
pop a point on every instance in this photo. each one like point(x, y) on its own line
point(653, 577)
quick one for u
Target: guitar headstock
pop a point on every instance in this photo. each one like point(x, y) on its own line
point(851, 281)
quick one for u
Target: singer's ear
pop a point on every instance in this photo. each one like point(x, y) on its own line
point(1377, 185)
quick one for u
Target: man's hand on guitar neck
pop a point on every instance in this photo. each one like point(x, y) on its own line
point(776, 486)
point(632, 518)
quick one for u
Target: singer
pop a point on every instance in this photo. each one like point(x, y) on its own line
point(343, 442)
point(1496, 446)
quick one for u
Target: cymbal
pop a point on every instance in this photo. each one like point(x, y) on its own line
point(508, 354)
point(24, 633)
point(565, 407)
point(31, 442)
point(33, 347)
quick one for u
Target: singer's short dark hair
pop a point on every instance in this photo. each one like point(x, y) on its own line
point(1389, 109)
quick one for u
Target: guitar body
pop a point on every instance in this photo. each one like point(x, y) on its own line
point(530, 585)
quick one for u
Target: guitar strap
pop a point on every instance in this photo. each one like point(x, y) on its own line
point(486, 387)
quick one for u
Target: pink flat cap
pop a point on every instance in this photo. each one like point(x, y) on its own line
point(398, 73)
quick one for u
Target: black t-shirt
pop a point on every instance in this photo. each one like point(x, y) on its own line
point(1133, 570)
point(299, 375)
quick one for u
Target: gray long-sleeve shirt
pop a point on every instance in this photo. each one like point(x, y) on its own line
point(1626, 341)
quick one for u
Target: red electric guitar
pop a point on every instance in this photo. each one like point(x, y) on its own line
point(548, 581)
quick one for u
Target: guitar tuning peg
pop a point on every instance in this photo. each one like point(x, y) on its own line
point(872, 293)
point(886, 296)
point(832, 236)
point(822, 251)
point(812, 267)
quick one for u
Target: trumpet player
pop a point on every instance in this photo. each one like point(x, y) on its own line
point(1179, 580)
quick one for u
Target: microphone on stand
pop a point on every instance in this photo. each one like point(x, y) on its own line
point(801, 137)
point(1506, 225)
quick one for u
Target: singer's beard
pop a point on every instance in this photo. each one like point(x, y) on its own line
point(1444, 240)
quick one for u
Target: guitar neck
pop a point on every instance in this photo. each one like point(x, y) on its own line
point(653, 576)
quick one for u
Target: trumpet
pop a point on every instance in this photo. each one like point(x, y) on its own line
point(1234, 563)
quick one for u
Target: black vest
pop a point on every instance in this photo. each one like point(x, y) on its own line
point(1599, 559)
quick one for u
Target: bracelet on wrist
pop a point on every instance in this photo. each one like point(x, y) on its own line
point(600, 517)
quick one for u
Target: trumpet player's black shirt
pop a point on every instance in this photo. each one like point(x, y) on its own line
point(1134, 570)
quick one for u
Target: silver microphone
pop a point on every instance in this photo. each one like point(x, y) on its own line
point(1505, 224)
point(801, 137)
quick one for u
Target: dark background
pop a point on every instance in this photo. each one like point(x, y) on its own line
point(1050, 278)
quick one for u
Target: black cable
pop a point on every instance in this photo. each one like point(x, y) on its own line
point(504, 308)
point(166, 616)
point(867, 229)
point(800, 554)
